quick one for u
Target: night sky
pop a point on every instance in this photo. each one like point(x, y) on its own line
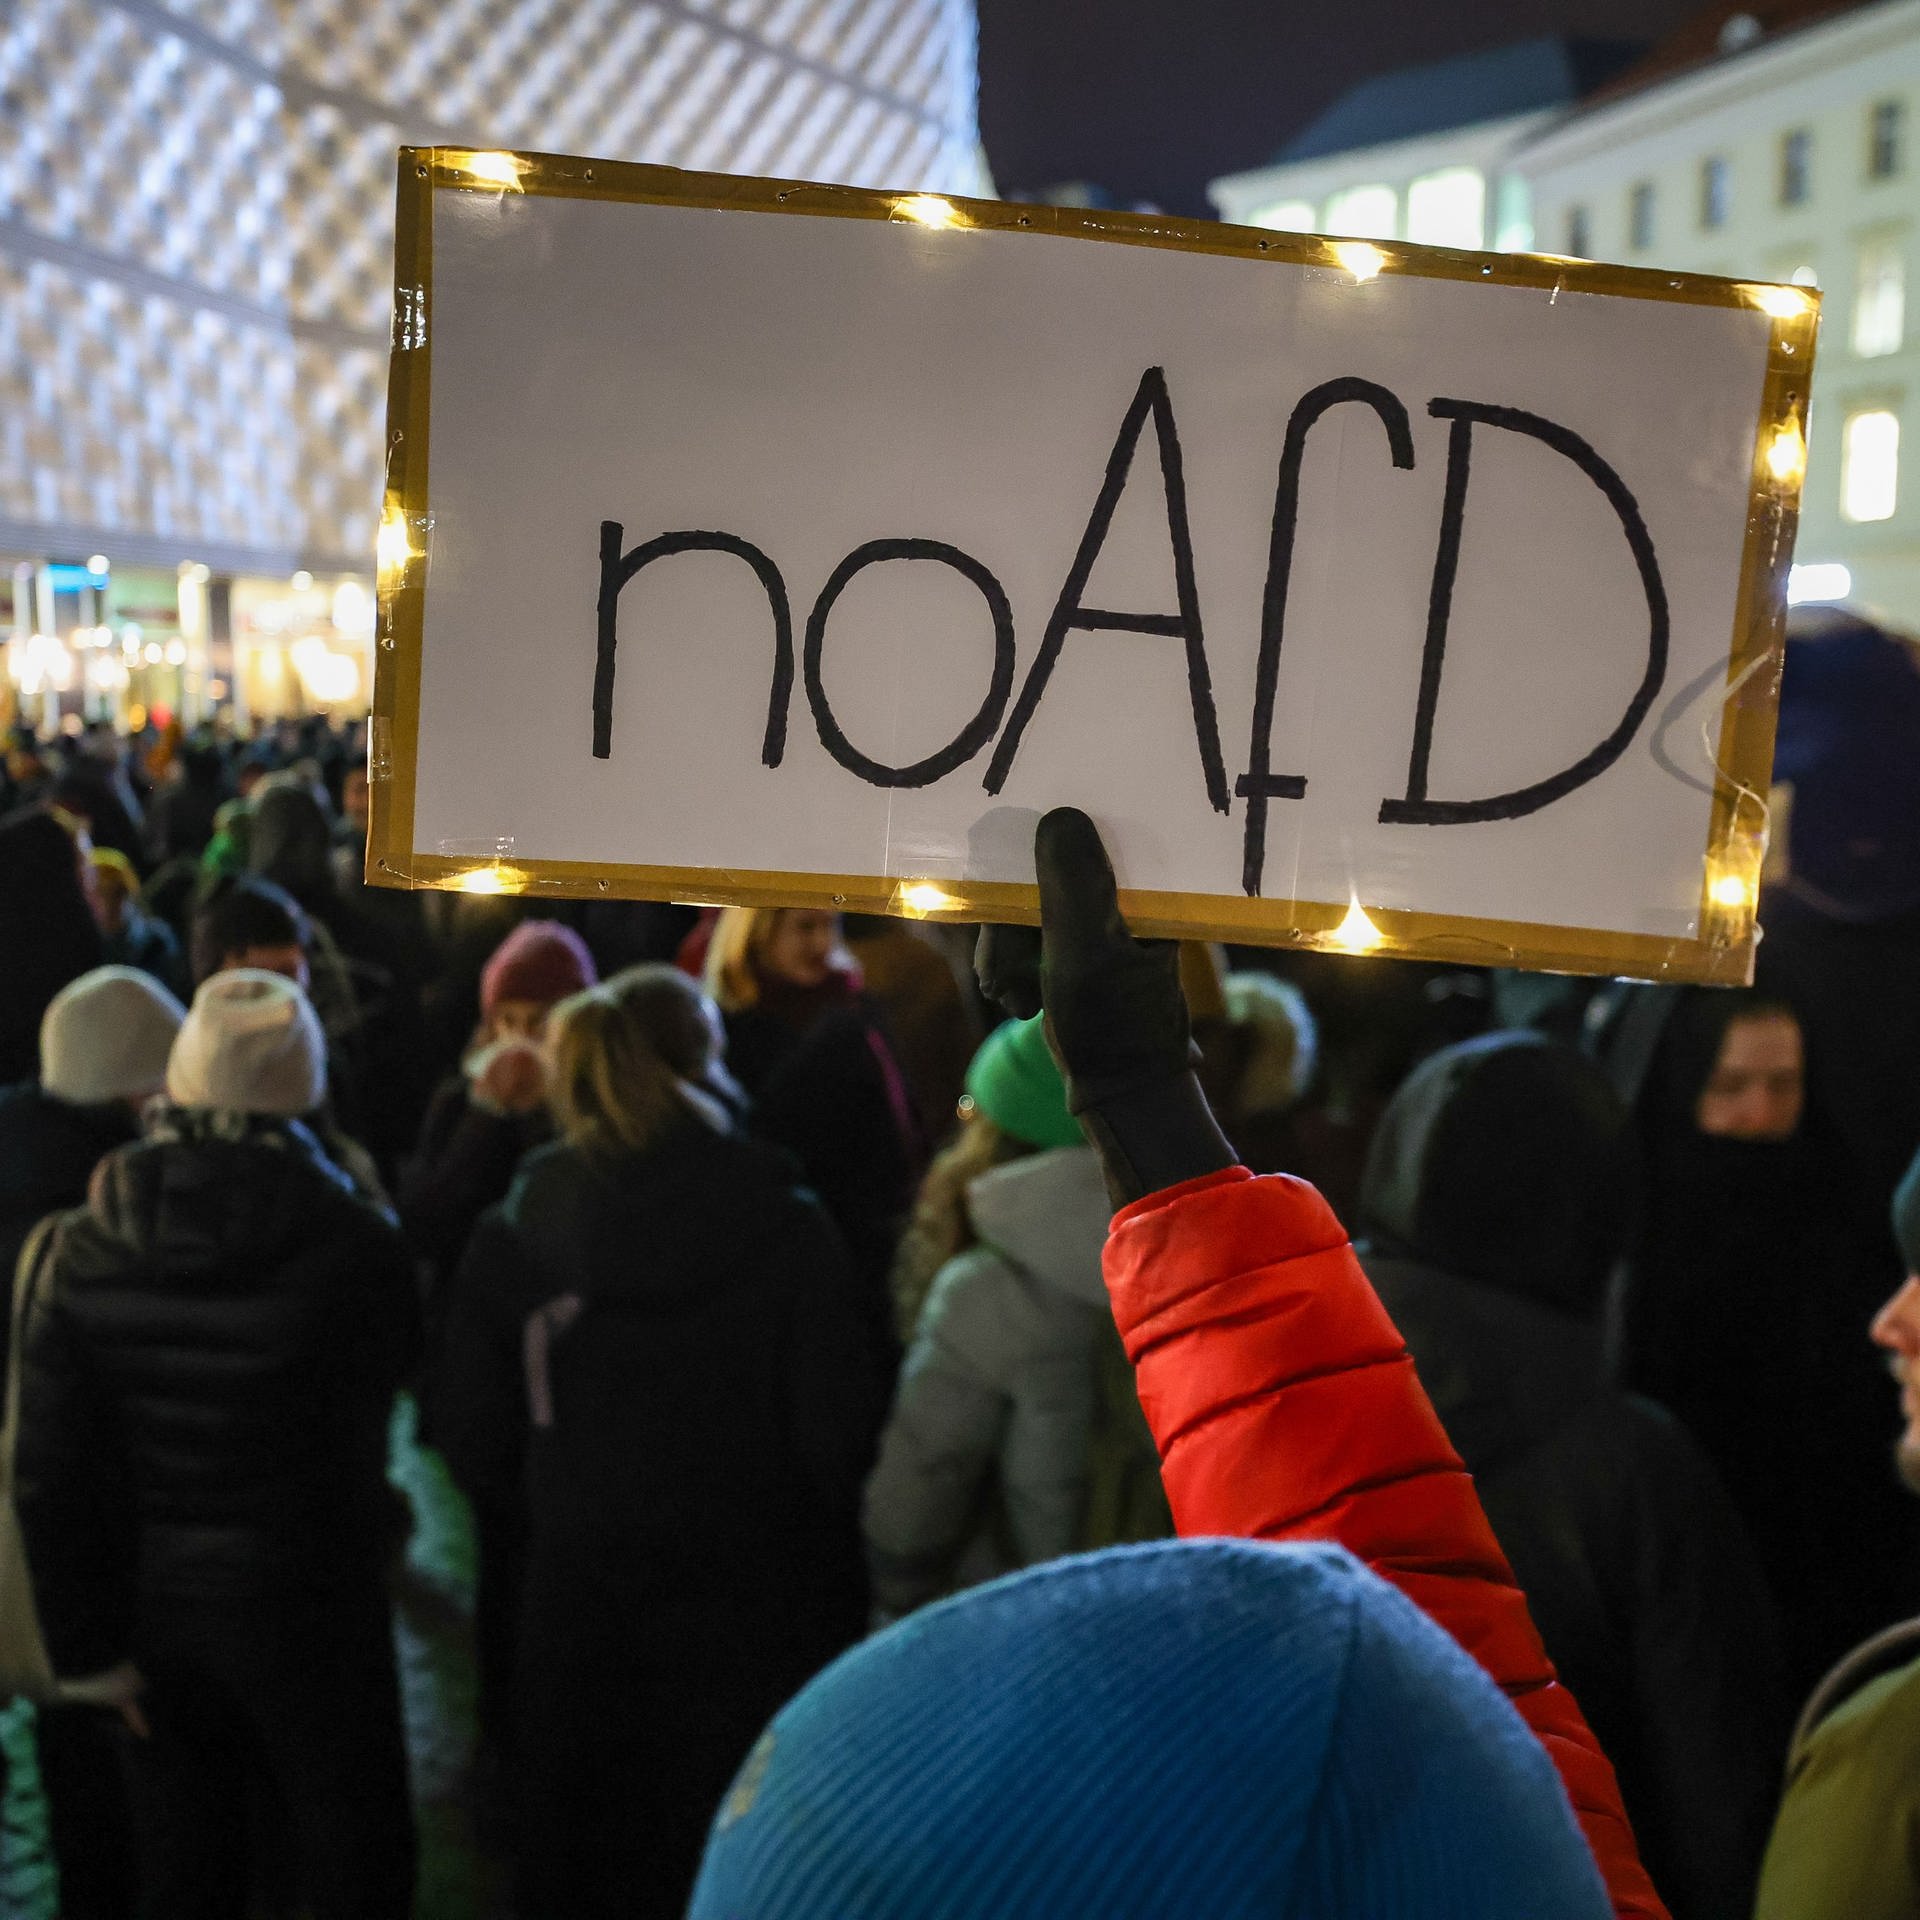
point(1153, 98)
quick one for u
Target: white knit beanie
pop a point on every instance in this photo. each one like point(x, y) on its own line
point(252, 1044)
point(106, 1036)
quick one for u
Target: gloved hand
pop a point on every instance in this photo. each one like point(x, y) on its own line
point(1116, 1019)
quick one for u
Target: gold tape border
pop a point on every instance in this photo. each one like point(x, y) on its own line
point(1722, 953)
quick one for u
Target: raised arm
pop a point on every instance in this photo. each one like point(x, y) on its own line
point(1281, 1397)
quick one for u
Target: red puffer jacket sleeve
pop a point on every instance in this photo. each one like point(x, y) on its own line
point(1286, 1407)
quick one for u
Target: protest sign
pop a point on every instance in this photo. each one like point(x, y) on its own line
point(775, 543)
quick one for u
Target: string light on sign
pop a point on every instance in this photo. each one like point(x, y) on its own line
point(491, 879)
point(1356, 933)
point(1361, 258)
point(928, 209)
point(918, 898)
point(1787, 452)
point(393, 547)
point(501, 170)
point(1780, 303)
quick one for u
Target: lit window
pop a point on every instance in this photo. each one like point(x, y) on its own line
point(1448, 208)
point(1513, 220)
point(1640, 215)
point(1880, 300)
point(1796, 167)
point(1811, 583)
point(1870, 465)
point(1883, 140)
point(1364, 213)
point(1579, 237)
point(1716, 191)
point(1284, 216)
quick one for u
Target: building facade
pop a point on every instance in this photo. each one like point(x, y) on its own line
point(196, 221)
point(1423, 153)
point(1790, 155)
point(1778, 143)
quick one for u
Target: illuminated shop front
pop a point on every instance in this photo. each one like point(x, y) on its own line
point(303, 645)
point(88, 641)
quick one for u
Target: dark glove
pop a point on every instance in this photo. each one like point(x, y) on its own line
point(1116, 1018)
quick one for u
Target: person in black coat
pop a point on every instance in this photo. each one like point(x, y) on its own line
point(1747, 1291)
point(179, 819)
point(48, 932)
point(208, 1373)
point(811, 1051)
point(483, 1120)
point(291, 844)
point(104, 1041)
point(103, 1053)
point(656, 1340)
point(1499, 1195)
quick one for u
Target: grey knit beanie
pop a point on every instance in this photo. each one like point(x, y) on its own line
point(106, 1036)
point(251, 1044)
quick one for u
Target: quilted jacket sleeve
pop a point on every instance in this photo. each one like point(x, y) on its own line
point(1286, 1407)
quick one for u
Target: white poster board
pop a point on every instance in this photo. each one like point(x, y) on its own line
point(778, 543)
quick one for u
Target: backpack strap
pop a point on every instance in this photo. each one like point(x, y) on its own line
point(1895, 1647)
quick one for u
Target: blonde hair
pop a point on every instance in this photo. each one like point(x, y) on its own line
point(731, 973)
point(735, 953)
point(942, 1226)
point(1282, 1042)
point(620, 1053)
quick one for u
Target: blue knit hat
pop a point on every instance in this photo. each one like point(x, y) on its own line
point(1218, 1728)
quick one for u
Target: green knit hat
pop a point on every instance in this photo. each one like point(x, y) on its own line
point(1014, 1082)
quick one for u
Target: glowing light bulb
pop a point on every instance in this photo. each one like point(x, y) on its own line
point(1787, 452)
point(1361, 258)
point(921, 897)
point(496, 169)
point(482, 880)
point(1356, 933)
point(1731, 890)
point(393, 547)
point(1783, 303)
point(301, 581)
point(929, 209)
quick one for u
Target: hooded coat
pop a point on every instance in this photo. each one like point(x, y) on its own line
point(1750, 1289)
point(666, 1358)
point(1497, 1198)
point(1015, 1435)
point(209, 1369)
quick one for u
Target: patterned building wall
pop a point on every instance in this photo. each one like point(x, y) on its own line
point(196, 210)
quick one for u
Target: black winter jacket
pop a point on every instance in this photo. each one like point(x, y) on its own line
point(1498, 1195)
point(1644, 1588)
point(463, 1165)
point(668, 1356)
point(48, 1151)
point(713, 1394)
point(210, 1363)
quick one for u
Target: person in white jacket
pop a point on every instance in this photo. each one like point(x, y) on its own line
point(1015, 1435)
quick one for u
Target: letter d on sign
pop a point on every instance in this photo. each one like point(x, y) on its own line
point(1416, 809)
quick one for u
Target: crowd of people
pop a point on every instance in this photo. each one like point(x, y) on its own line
point(1093, 1426)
